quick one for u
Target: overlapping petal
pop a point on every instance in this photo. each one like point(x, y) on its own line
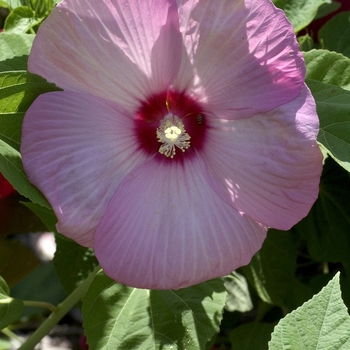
point(243, 57)
point(267, 166)
point(165, 228)
point(121, 51)
point(77, 149)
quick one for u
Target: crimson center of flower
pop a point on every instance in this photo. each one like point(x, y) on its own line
point(170, 123)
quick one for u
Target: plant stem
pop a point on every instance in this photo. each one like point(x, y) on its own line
point(43, 304)
point(61, 310)
point(11, 335)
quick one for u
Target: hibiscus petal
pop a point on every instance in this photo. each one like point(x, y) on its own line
point(76, 149)
point(267, 166)
point(119, 50)
point(243, 56)
point(165, 228)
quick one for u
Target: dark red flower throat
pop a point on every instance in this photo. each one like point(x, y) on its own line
point(171, 124)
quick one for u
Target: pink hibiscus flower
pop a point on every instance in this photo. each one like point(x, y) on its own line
point(184, 130)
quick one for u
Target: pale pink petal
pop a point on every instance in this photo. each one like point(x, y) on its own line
point(76, 149)
point(165, 228)
point(267, 166)
point(121, 51)
point(243, 57)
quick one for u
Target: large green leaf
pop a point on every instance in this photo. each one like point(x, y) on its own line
point(300, 12)
point(13, 44)
point(322, 323)
point(328, 67)
point(73, 263)
point(335, 34)
point(326, 228)
point(124, 318)
point(272, 269)
point(333, 106)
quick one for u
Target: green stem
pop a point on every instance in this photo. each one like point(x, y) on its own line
point(43, 304)
point(61, 310)
point(11, 335)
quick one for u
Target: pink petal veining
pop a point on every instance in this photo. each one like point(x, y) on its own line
point(71, 154)
point(276, 183)
point(166, 228)
point(118, 50)
point(233, 71)
point(243, 57)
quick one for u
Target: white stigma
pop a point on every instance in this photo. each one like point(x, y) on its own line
point(171, 133)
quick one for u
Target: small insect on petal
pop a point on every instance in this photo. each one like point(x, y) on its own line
point(199, 119)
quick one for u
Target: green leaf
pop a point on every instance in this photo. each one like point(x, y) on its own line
point(326, 9)
point(21, 20)
point(306, 43)
point(333, 109)
point(73, 263)
point(326, 228)
point(300, 12)
point(238, 296)
point(272, 269)
point(328, 67)
point(321, 323)
point(335, 34)
point(4, 289)
point(11, 167)
point(18, 90)
point(125, 318)
point(41, 284)
point(10, 309)
point(12, 4)
point(14, 44)
point(251, 336)
point(16, 260)
point(46, 215)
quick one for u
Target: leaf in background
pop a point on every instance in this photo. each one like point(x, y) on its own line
point(251, 336)
point(21, 20)
point(10, 309)
point(16, 218)
point(125, 318)
point(18, 90)
point(300, 12)
point(73, 263)
point(238, 296)
point(306, 42)
point(335, 34)
point(326, 228)
point(327, 8)
point(41, 284)
point(272, 269)
point(333, 104)
point(328, 67)
point(11, 4)
point(12, 169)
point(46, 215)
point(16, 261)
point(14, 44)
point(319, 324)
